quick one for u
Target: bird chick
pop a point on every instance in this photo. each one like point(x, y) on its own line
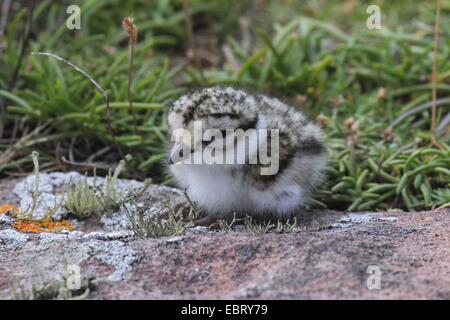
point(270, 174)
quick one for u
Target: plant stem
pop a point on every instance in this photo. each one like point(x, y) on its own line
point(130, 98)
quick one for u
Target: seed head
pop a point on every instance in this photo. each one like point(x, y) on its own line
point(130, 27)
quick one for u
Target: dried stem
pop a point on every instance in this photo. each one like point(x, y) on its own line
point(130, 98)
point(35, 193)
point(434, 75)
point(190, 54)
point(89, 165)
point(130, 27)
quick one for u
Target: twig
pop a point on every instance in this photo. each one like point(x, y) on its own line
point(246, 42)
point(99, 88)
point(230, 58)
point(434, 75)
point(84, 73)
point(90, 165)
point(98, 153)
point(9, 154)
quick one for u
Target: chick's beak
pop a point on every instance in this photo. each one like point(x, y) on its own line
point(176, 155)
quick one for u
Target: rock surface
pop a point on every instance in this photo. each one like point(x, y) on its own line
point(330, 255)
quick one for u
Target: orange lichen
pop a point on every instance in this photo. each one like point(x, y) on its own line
point(40, 226)
point(7, 207)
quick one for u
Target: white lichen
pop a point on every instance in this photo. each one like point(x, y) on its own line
point(12, 239)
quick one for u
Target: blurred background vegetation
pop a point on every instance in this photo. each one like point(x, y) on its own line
point(369, 89)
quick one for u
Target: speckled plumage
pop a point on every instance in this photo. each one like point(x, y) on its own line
point(221, 189)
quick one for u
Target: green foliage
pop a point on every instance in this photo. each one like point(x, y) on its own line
point(386, 175)
point(358, 83)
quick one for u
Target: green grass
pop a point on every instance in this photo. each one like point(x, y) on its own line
point(318, 57)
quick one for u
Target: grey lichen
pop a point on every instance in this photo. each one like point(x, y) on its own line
point(114, 253)
point(108, 247)
point(6, 219)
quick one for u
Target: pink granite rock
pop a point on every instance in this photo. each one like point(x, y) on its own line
point(327, 257)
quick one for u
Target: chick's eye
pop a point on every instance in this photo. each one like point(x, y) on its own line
point(181, 153)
